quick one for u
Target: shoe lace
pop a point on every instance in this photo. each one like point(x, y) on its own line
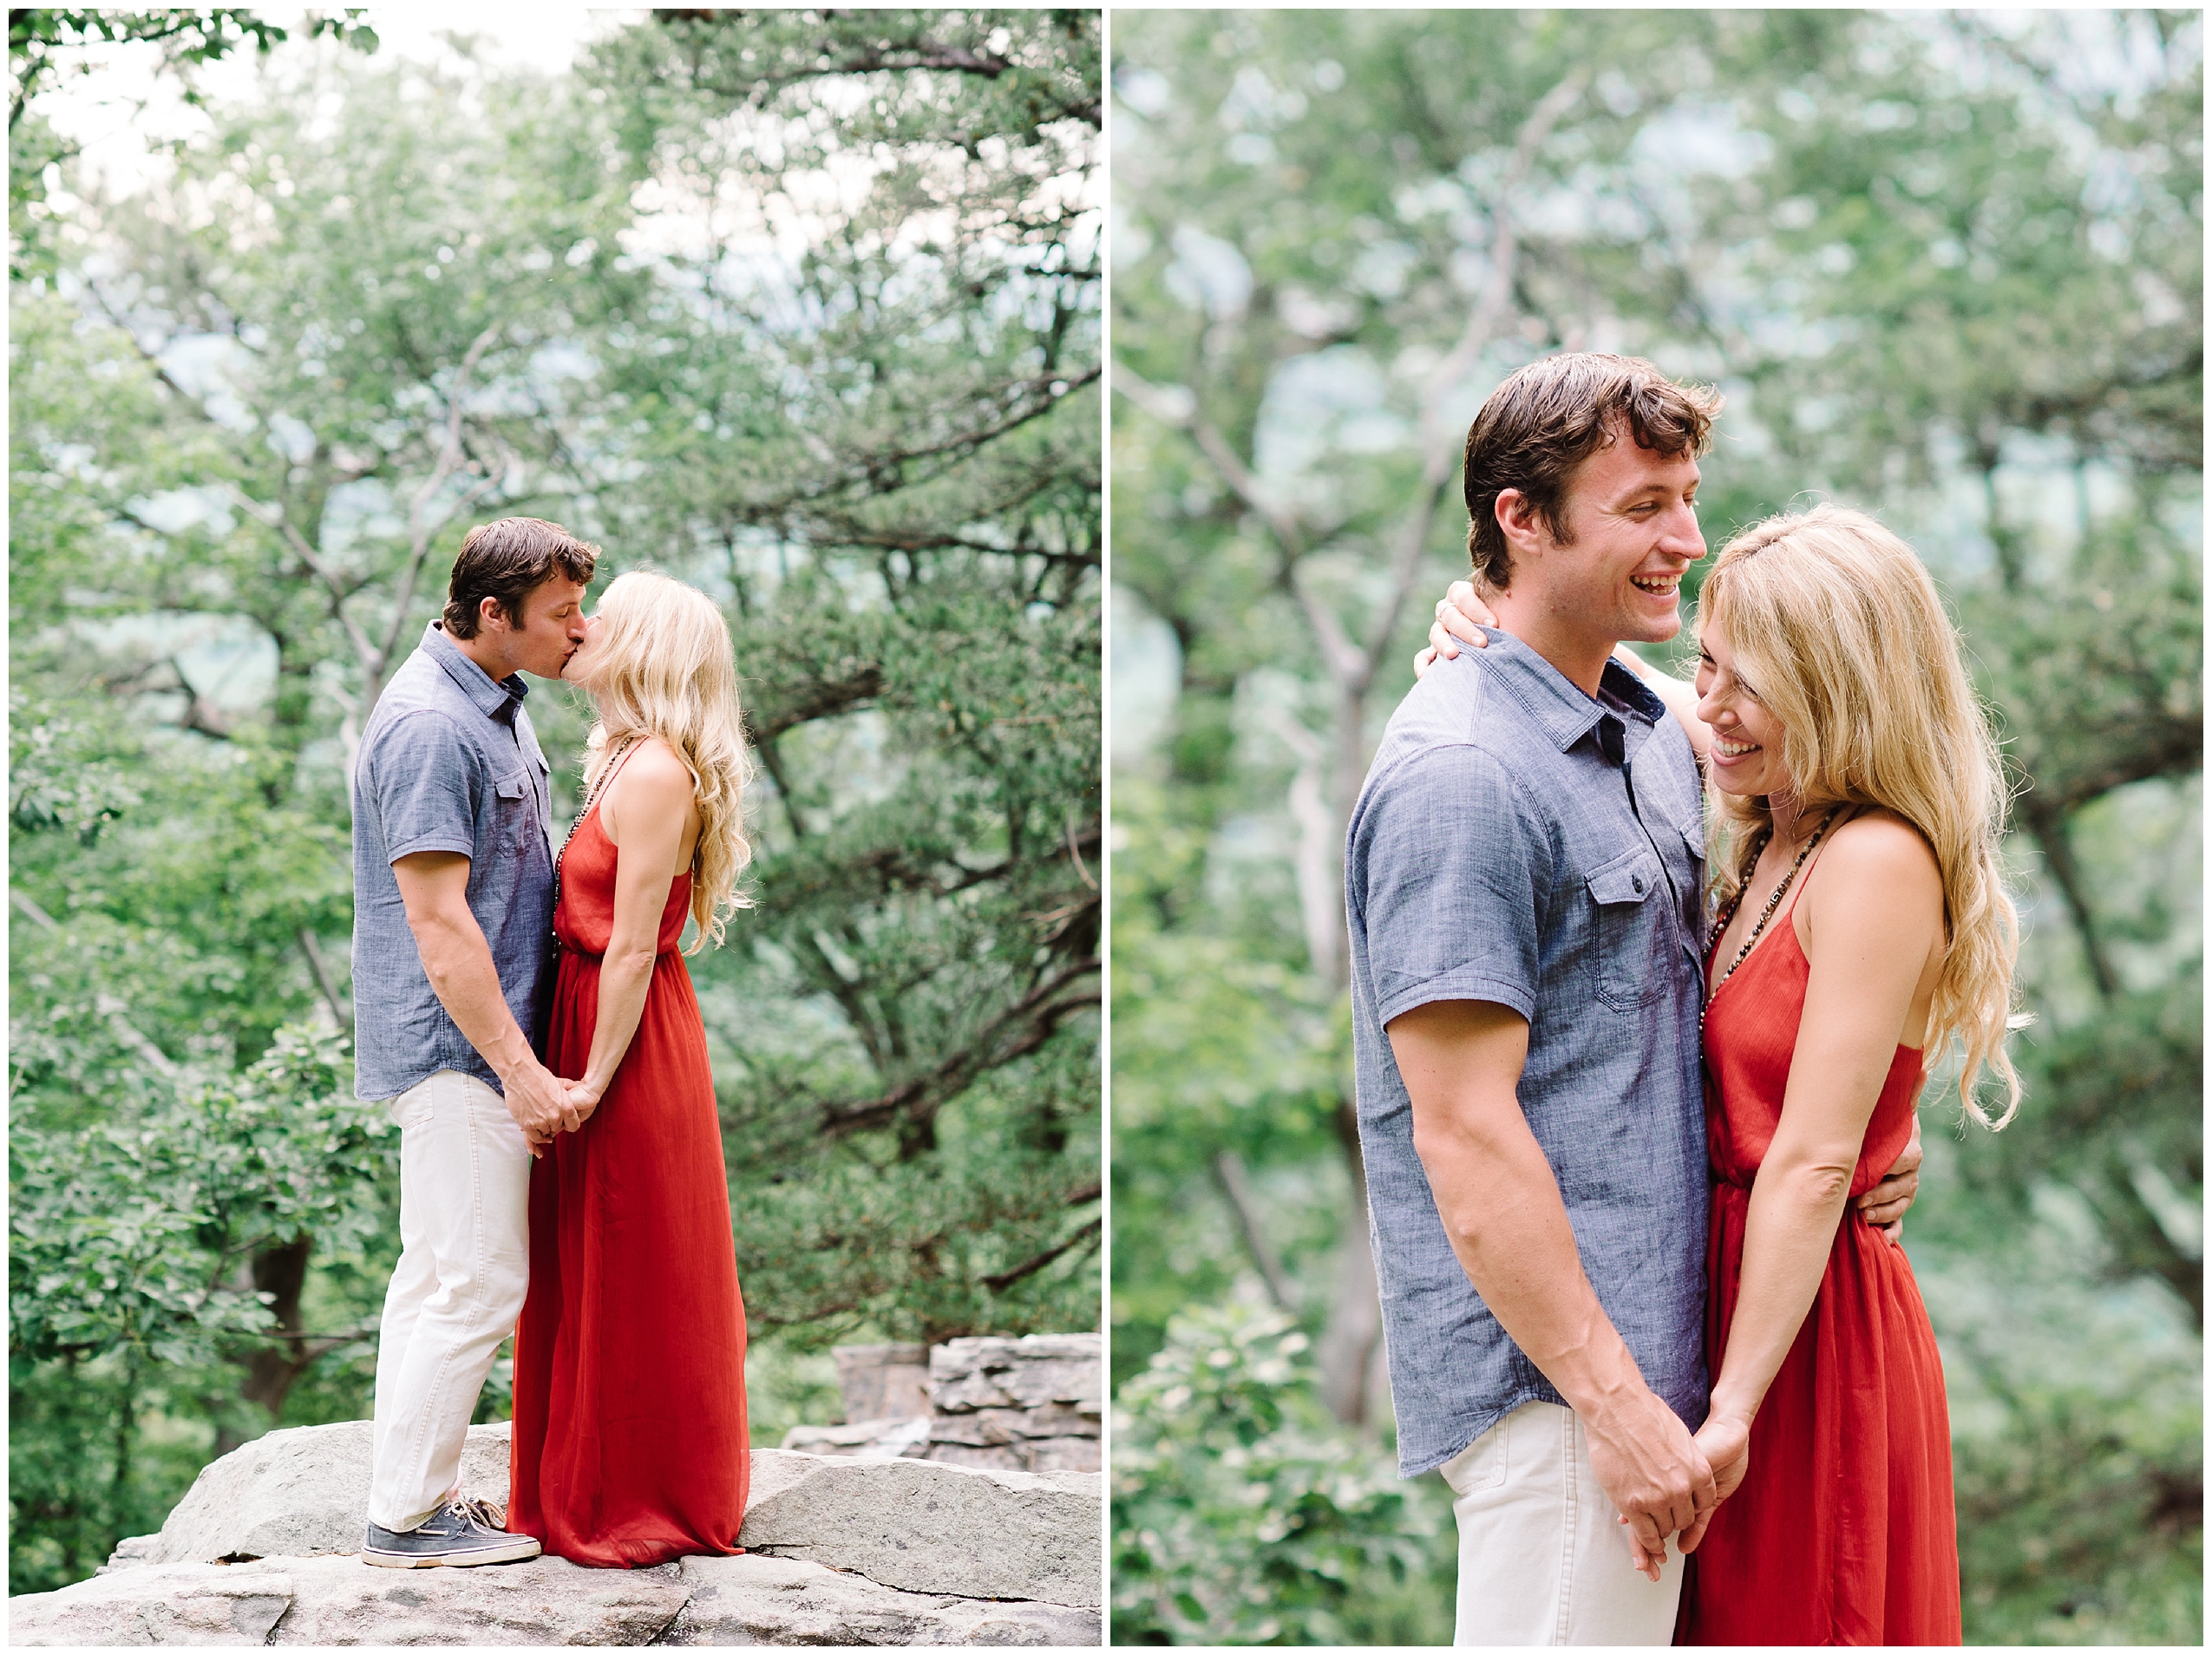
point(482, 1511)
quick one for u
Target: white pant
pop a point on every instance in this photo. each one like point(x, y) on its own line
point(1543, 1557)
point(464, 1265)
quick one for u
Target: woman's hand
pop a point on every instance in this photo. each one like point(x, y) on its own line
point(1725, 1441)
point(584, 1098)
point(1460, 617)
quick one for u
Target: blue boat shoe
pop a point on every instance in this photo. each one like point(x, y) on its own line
point(457, 1536)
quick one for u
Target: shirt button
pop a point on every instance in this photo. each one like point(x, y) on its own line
point(1639, 888)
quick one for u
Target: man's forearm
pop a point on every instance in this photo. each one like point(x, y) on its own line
point(459, 965)
point(1503, 1213)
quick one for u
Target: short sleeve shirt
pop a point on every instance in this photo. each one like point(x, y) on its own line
point(1521, 842)
point(449, 762)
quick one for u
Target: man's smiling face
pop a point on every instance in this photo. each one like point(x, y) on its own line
point(1633, 518)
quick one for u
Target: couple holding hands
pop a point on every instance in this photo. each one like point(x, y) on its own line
point(1639, 1047)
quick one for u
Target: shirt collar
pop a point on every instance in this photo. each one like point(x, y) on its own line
point(1561, 711)
point(493, 698)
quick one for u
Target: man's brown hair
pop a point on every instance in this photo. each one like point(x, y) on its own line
point(508, 560)
point(1549, 417)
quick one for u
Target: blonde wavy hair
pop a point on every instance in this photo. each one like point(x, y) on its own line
point(663, 666)
point(1839, 632)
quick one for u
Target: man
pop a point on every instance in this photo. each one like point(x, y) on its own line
point(1522, 875)
point(452, 904)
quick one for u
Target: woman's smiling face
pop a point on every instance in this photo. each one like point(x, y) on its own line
point(1746, 753)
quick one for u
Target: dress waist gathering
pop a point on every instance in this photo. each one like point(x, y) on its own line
point(574, 953)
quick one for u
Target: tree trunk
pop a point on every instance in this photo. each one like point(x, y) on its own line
point(1347, 1348)
point(125, 1441)
point(2048, 828)
point(271, 1371)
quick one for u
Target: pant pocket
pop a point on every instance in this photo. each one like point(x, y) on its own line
point(1481, 1464)
point(413, 1108)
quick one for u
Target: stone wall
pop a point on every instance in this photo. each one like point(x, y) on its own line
point(1027, 1404)
point(1033, 1404)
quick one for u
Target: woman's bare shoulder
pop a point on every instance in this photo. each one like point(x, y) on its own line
point(656, 760)
point(654, 772)
point(1879, 858)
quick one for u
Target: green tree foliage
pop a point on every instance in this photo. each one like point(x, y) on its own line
point(42, 42)
point(822, 341)
point(1244, 1513)
point(1944, 268)
point(48, 46)
point(141, 1244)
point(888, 457)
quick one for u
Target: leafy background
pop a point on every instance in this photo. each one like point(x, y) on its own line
point(802, 307)
point(1945, 266)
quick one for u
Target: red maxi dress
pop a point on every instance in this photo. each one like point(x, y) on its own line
point(630, 1444)
point(1844, 1530)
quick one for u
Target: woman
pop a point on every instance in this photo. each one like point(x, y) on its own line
point(630, 1444)
point(1862, 922)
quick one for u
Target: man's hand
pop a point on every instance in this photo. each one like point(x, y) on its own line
point(1883, 1206)
point(1652, 1469)
point(538, 1101)
point(1460, 617)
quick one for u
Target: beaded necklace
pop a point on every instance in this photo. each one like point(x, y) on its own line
point(613, 763)
point(1728, 914)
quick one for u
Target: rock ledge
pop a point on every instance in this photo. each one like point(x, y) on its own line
point(839, 1551)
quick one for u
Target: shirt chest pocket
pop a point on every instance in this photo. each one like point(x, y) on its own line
point(514, 816)
point(1630, 928)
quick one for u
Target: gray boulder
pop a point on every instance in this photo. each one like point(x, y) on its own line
point(1039, 1371)
point(190, 1603)
point(889, 1438)
point(923, 1527)
point(882, 1381)
point(297, 1493)
point(546, 1600)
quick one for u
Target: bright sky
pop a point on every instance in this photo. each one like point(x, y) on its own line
point(99, 110)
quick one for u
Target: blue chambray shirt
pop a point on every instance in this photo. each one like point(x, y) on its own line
point(449, 762)
point(1519, 842)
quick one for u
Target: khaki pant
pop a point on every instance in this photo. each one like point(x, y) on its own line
point(464, 1265)
point(1543, 1557)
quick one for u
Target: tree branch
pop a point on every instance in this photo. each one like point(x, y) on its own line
point(322, 977)
point(1440, 446)
point(998, 1284)
point(1343, 656)
point(272, 515)
point(109, 1005)
point(419, 534)
point(1320, 899)
point(1229, 1173)
point(1016, 1032)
